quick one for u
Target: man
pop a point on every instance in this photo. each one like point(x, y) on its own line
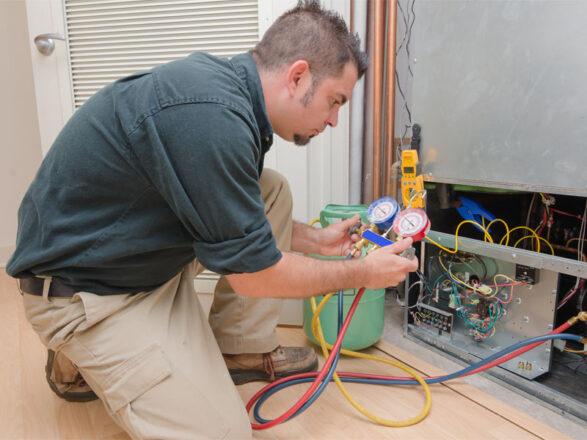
point(161, 174)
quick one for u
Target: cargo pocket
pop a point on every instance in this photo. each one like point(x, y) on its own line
point(135, 377)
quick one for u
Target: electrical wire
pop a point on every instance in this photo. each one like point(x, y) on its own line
point(503, 222)
point(570, 350)
point(539, 238)
point(456, 246)
point(487, 236)
point(506, 238)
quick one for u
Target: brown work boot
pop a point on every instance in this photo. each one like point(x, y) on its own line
point(281, 362)
point(65, 380)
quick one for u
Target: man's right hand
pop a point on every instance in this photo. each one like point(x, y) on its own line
point(386, 268)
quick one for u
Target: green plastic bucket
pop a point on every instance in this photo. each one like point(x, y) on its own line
point(366, 326)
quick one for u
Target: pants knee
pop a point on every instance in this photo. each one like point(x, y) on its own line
point(275, 189)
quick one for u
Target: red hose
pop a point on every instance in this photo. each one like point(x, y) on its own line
point(320, 375)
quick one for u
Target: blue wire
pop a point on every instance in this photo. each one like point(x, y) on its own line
point(507, 350)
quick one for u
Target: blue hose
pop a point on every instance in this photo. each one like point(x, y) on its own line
point(507, 350)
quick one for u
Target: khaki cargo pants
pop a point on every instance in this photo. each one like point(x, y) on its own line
point(154, 359)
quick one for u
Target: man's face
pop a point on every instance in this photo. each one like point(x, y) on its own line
point(316, 106)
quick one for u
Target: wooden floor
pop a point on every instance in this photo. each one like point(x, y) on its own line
point(29, 410)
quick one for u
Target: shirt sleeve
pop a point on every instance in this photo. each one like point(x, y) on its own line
point(203, 159)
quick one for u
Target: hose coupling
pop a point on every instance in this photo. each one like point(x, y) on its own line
point(582, 316)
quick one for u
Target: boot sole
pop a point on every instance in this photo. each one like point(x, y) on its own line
point(79, 397)
point(240, 377)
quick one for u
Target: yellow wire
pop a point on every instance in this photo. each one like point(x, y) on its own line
point(459, 281)
point(511, 280)
point(506, 237)
point(575, 351)
point(539, 238)
point(507, 228)
point(486, 235)
point(317, 332)
point(319, 336)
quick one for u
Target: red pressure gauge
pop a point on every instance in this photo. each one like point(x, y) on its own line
point(412, 222)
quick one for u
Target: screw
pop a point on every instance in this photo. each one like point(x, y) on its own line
point(526, 319)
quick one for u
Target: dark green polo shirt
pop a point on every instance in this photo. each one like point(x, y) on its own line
point(151, 172)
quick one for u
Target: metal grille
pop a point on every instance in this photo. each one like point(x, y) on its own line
point(110, 39)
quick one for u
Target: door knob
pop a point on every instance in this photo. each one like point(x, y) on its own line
point(46, 42)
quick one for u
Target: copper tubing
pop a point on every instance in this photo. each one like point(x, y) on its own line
point(390, 180)
point(569, 250)
point(367, 166)
point(378, 54)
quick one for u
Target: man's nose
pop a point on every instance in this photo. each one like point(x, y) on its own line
point(333, 118)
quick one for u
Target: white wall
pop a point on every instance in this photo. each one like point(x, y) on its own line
point(20, 149)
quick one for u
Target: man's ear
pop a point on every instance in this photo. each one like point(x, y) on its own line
point(298, 74)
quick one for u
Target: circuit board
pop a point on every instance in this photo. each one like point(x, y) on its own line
point(474, 305)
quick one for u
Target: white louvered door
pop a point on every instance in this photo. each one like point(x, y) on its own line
point(109, 39)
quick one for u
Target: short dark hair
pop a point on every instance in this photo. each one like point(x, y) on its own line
point(314, 34)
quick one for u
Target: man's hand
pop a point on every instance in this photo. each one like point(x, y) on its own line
point(334, 240)
point(386, 268)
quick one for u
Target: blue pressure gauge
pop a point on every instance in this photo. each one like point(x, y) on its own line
point(382, 212)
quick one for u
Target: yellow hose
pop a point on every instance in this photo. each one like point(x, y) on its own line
point(319, 336)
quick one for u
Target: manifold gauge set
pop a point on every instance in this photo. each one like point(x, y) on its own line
point(387, 223)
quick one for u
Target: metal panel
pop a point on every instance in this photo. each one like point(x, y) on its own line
point(514, 255)
point(530, 313)
point(499, 90)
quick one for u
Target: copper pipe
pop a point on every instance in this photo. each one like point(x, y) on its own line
point(367, 180)
point(390, 101)
point(570, 250)
point(378, 54)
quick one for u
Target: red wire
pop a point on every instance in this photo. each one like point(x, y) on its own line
point(578, 217)
point(320, 375)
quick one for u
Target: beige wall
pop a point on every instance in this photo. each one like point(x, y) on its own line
point(20, 149)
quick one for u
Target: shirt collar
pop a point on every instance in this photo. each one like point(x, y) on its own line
point(246, 69)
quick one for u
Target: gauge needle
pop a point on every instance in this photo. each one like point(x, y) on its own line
point(408, 220)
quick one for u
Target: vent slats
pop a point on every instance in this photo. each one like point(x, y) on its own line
point(110, 39)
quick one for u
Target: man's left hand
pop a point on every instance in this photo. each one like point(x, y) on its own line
point(335, 240)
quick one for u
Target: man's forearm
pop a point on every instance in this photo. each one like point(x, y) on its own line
point(297, 276)
point(304, 239)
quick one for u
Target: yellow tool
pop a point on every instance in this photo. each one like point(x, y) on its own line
point(413, 193)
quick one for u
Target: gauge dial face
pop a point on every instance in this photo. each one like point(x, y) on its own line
point(382, 210)
point(411, 222)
